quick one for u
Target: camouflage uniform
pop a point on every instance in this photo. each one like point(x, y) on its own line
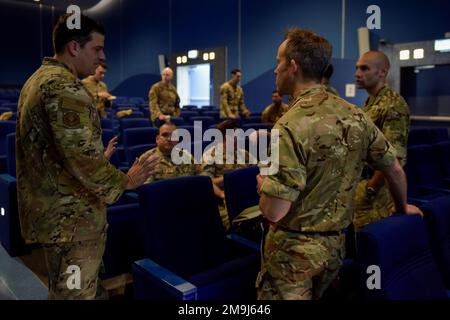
point(94, 87)
point(163, 99)
point(166, 169)
point(331, 90)
point(215, 170)
point(232, 101)
point(272, 113)
point(323, 143)
point(63, 179)
point(390, 113)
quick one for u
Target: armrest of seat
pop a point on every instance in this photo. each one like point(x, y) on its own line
point(7, 177)
point(173, 283)
point(248, 243)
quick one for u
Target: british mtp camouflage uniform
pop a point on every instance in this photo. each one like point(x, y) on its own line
point(94, 87)
point(167, 169)
point(163, 98)
point(232, 101)
point(64, 181)
point(272, 113)
point(390, 113)
point(331, 90)
point(324, 142)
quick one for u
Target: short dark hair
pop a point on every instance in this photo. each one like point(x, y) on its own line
point(63, 35)
point(311, 51)
point(228, 124)
point(234, 71)
point(328, 73)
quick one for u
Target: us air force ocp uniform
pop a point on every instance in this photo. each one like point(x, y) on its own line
point(64, 181)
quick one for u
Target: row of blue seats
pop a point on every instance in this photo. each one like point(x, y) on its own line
point(187, 259)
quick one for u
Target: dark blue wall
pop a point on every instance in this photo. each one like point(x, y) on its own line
point(137, 31)
point(20, 34)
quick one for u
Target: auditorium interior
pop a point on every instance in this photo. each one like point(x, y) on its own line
point(166, 240)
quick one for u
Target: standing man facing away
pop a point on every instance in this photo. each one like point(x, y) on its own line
point(163, 98)
point(98, 89)
point(232, 97)
point(390, 113)
point(64, 181)
point(324, 141)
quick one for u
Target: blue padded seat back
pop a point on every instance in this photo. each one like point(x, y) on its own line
point(437, 218)
point(399, 246)
point(179, 215)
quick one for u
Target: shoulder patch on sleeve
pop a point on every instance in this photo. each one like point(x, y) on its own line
point(71, 119)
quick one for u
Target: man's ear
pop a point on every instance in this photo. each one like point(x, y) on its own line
point(293, 66)
point(73, 48)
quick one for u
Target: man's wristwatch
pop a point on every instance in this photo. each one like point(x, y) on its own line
point(370, 192)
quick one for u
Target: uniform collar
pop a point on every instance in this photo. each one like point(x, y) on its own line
point(308, 91)
point(380, 93)
point(48, 61)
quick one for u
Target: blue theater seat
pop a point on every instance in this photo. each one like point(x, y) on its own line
point(437, 218)
point(400, 247)
point(107, 124)
point(136, 136)
point(206, 121)
point(240, 194)
point(253, 119)
point(124, 242)
point(188, 255)
point(189, 107)
point(136, 151)
point(11, 154)
point(136, 100)
point(214, 114)
point(10, 235)
point(240, 190)
point(187, 114)
point(6, 127)
point(133, 123)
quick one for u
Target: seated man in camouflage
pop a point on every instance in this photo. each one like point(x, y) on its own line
point(216, 169)
point(166, 168)
point(275, 110)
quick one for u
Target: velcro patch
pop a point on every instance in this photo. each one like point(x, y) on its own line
point(77, 105)
point(71, 119)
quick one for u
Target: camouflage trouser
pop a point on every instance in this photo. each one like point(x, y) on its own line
point(297, 266)
point(62, 257)
point(224, 216)
point(371, 210)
